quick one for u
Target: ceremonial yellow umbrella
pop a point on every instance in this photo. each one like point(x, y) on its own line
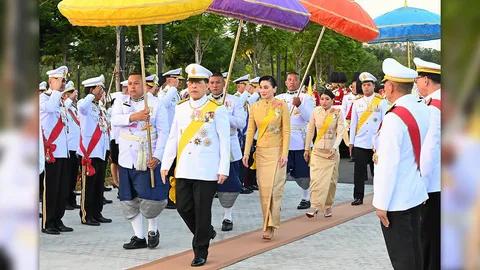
point(101, 13)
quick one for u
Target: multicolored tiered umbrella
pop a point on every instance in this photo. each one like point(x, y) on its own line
point(283, 14)
point(101, 13)
point(407, 24)
point(345, 17)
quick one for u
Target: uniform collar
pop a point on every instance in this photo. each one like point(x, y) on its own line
point(292, 92)
point(197, 103)
point(137, 99)
point(217, 97)
point(406, 99)
point(435, 95)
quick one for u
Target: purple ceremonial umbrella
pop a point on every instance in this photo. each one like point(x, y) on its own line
point(283, 14)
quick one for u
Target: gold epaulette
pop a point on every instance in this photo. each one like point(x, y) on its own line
point(391, 107)
point(377, 95)
point(335, 110)
point(182, 101)
point(218, 103)
point(359, 97)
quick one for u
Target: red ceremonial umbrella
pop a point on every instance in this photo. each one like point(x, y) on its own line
point(345, 17)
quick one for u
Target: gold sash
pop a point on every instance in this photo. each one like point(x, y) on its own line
point(366, 114)
point(261, 130)
point(187, 135)
point(322, 130)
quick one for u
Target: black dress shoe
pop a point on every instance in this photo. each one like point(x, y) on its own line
point(198, 262)
point(303, 205)
point(69, 207)
point(50, 231)
point(357, 202)
point(153, 239)
point(107, 188)
point(214, 234)
point(135, 243)
point(227, 225)
point(216, 196)
point(171, 205)
point(253, 187)
point(63, 228)
point(102, 219)
point(91, 222)
point(245, 190)
point(105, 201)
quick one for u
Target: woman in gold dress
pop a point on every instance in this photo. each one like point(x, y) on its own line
point(325, 158)
point(271, 118)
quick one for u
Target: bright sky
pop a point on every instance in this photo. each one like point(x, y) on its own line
point(376, 8)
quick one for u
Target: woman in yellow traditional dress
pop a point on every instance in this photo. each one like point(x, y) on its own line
point(271, 118)
point(325, 158)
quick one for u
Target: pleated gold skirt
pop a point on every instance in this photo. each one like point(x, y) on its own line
point(323, 178)
point(271, 181)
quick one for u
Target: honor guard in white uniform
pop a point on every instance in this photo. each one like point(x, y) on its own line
point(53, 117)
point(429, 86)
point(115, 132)
point(200, 142)
point(245, 92)
point(73, 137)
point(170, 94)
point(303, 106)
point(137, 196)
point(94, 144)
point(228, 191)
point(42, 87)
point(152, 84)
point(399, 190)
point(241, 83)
point(368, 111)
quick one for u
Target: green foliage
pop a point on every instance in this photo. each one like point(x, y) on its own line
point(208, 39)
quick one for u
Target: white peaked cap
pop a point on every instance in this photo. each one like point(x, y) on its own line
point(60, 72)
point(396, 72)
point(42, 86)
point(196, 71)
point(245, 78)
point(367, 77)
point(94, 81)
point(427, 67)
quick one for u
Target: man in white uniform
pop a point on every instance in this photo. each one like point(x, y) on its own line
point(137, 196)
point(53, 119)
point(303, 106)
point(94, 144)
point(367, 114)
point(73, 137)
point(228, 191)
point(200, 141)
point(399, 190)
point(428, 83)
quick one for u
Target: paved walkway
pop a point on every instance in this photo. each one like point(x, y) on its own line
point(355, 243)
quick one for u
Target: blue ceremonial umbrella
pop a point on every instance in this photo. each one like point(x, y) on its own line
point(407, 24)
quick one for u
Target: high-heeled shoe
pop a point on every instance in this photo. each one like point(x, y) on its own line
point(328, 212)
point(311, 214)
point(270, 235)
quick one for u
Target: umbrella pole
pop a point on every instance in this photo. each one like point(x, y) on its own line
point(235, 46)
point(147, 124)
point(408, 52)
point(310, 63)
